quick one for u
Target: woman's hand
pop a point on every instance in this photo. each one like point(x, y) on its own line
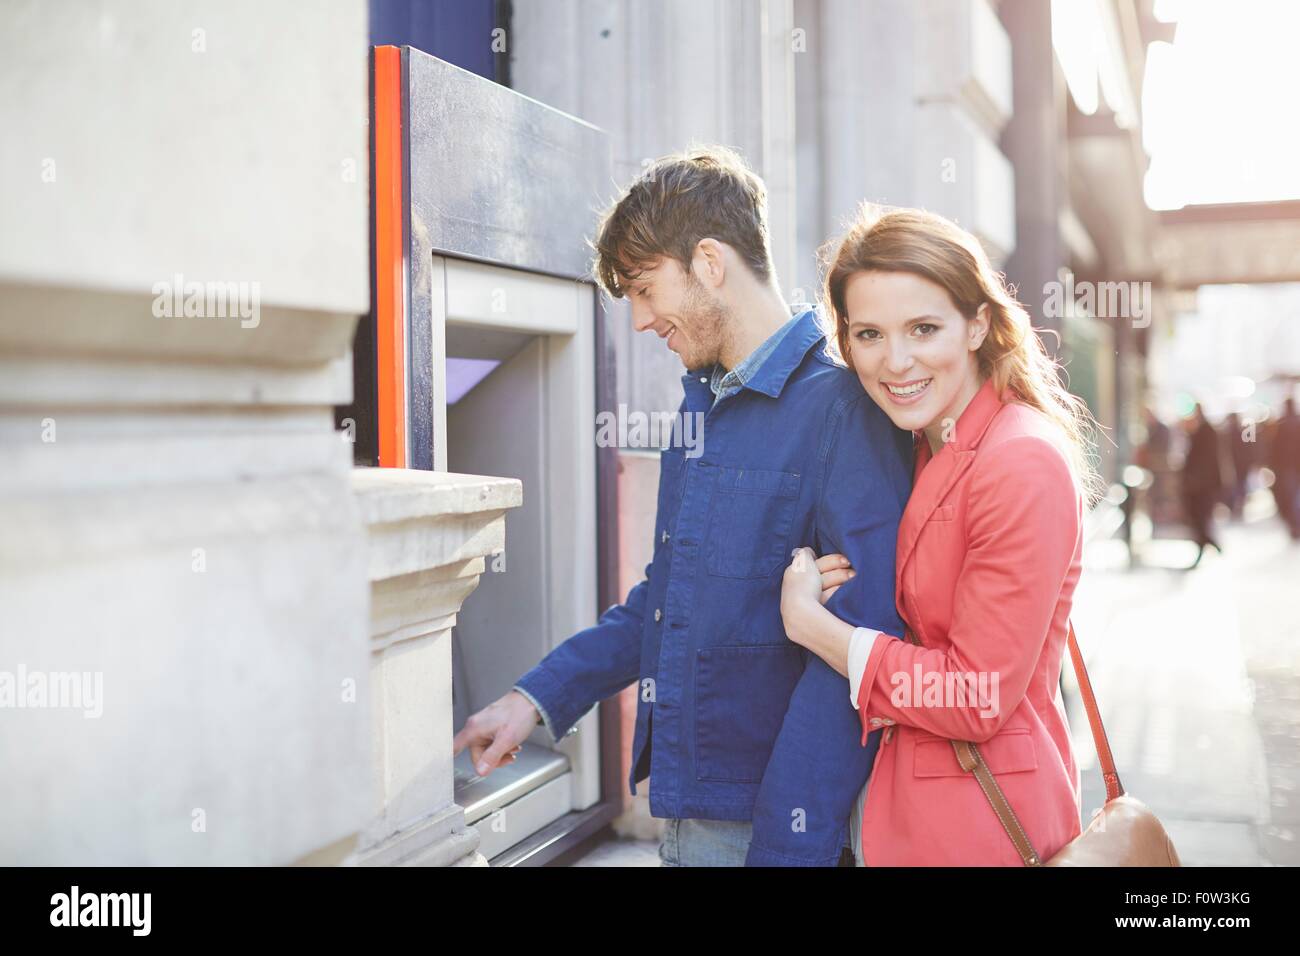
point(809, 582)
point(809, 576)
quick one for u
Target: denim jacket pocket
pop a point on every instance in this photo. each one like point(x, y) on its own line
point(750, 518)
point(741, 696)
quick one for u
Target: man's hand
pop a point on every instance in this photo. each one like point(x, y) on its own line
point(494, 734)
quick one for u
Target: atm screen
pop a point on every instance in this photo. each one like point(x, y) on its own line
point(464, 373)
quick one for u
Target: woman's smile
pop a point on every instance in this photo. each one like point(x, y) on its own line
point(907, 393)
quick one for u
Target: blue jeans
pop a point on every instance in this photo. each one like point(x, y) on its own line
point(693, 842)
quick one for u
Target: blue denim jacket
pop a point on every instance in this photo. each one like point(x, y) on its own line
point(735, 721)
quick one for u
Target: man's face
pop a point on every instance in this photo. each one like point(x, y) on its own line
point(674, 304)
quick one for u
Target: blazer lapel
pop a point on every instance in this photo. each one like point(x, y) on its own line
point(935, 475)
point(935, 479)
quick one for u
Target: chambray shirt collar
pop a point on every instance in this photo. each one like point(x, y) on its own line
point(768, 366)
point(723, 382)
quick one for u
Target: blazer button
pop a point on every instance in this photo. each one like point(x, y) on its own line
point(658, 615)
point(875, 721)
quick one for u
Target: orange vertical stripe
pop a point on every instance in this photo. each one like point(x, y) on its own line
point(390, 320)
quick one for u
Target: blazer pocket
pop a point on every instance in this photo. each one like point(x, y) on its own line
point(741, 696)
point(1011, 751)
point(750, 518)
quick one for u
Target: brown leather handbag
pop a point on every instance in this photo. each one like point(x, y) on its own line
point(1124, 833)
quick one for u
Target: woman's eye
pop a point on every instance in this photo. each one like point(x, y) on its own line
point(925, 328)
point(869, 334)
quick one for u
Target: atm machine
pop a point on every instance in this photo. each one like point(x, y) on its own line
point(486, 341)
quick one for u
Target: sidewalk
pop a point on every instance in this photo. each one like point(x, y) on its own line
point(1198, 676)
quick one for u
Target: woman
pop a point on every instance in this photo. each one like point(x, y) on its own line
point(989, 551)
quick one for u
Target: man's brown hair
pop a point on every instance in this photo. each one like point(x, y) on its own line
point(706, 192)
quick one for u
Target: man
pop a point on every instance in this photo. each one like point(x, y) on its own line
point(751, 743)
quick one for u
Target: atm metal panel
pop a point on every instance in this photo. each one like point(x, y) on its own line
point(491, 176)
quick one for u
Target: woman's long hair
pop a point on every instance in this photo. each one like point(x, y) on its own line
point(1012, 355)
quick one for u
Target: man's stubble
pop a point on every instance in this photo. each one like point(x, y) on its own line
point(711, 326)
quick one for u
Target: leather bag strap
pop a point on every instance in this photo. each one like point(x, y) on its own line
point(970, 759)
point(1109, 775)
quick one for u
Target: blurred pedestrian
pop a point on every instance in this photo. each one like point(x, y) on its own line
point(1240, 458)
point(1203, 482)
point(1155, 454)
point(1284, 460)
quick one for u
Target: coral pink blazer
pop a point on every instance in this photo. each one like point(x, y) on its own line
point(989, 552)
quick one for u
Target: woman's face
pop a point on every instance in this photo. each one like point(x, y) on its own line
point(914, 352)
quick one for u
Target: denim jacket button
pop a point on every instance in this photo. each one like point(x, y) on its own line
point(665, 536)
point(658, 615)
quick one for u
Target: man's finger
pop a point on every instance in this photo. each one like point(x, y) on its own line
point(471, 733)
point(492, 756)
point(459, 742)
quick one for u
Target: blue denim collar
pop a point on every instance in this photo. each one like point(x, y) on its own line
point(768, 366)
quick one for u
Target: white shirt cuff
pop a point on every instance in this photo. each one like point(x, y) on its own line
point(860, 645)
